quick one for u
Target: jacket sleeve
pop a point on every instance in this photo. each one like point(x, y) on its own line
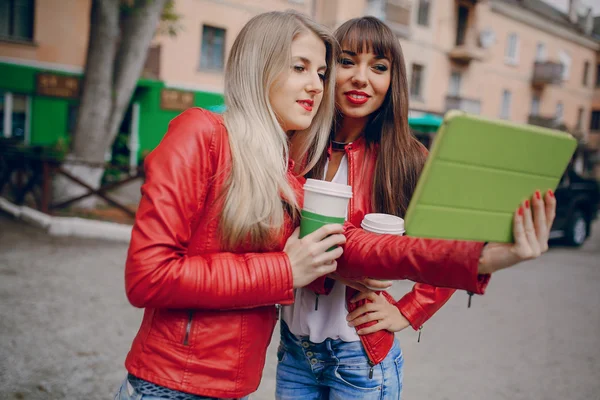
point(422, 302)
point(442, 263)
point(159, 273)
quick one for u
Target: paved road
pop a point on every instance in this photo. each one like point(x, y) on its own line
point(65, 326)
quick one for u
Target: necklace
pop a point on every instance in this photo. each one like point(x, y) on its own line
point(338, 146)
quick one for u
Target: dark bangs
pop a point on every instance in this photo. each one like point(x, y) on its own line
point(367, 35)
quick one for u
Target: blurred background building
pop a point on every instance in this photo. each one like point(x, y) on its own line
point(519, 60)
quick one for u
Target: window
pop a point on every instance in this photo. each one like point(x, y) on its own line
point(560, 110)
point(565, 60)
point(416, 81)
point(455, 83)
point(72, 110)
point(511, 55)
point(506, 99)
point(586, 71)
point(535, 105)
point(16, 19)
point(212, 54)
point(580, 119)
point(595, 121)
point(423, 13)
point(540, 52)
point(461, 25)
point(14, 116)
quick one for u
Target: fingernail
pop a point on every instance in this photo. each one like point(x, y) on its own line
point(538, 195)
point(521, 211)
point(526, 203)
point(551, 193)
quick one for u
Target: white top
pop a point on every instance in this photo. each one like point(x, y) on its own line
point(329, 320)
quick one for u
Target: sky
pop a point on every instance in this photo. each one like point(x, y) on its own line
point(563, 5)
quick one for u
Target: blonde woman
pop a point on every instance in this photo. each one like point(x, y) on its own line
point(209, 254)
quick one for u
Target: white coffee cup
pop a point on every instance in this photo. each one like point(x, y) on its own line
point(328, 199)
point(383, 224)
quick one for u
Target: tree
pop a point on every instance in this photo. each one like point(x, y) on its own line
point(119, 38)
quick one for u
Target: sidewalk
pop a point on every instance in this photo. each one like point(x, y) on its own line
point(66, 327)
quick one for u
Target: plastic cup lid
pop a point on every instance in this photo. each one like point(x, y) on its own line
point(328, 188)
point(383, 223)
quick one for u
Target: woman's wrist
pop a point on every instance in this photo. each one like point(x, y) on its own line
point(494, 257)
point(486, 264)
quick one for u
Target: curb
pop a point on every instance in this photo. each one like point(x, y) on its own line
point(68, 226)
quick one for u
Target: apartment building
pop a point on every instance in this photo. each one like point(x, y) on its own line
point(195, 58)
point(519, 60)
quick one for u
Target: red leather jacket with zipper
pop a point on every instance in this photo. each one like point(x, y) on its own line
point(209, 314)
point(393, 257)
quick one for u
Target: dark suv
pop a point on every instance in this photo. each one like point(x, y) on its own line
point(577, 206)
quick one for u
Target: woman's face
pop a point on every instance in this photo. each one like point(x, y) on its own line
point(361, 84)
point(296, 94)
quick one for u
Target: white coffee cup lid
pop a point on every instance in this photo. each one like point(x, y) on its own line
point(383, 223)
point(328, 188)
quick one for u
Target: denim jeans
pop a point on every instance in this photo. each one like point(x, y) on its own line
point(334, 369)
point(128, 392)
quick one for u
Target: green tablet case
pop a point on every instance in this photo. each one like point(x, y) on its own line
point(477, 174)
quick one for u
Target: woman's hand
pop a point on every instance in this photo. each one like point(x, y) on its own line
point(379, 309)
point(309, 257)
point(362, 285)
point(531, 230)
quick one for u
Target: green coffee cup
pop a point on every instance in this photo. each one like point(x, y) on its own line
point(310, 222)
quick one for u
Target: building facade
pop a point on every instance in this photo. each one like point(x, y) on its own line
point(519, 60)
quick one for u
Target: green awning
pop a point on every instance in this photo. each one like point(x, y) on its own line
point(425, 123)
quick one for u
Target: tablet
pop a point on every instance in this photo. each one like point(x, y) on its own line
point(477, 174)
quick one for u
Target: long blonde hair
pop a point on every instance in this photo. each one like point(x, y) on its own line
point(253, 212)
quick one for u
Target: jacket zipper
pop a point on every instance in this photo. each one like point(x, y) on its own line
point(317, 302)
point(419, 337)
point(188, 328)
point(371, 369)
point(470, 297)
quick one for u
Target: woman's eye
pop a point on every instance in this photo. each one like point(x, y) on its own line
point(380, 67)
point(322, 76)
point(299, 68)
point(345, 61)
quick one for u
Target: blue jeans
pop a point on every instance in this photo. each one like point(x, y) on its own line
point(334, 369)
point(127, 392)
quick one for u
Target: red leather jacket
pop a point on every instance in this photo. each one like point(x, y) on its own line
point(403, 254)
point(209, 314)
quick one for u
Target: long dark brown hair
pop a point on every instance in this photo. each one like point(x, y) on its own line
point(400, 155)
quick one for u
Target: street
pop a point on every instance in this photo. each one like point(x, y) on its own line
point(66, 326)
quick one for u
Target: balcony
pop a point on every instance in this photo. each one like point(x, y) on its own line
point(397, 16)
point(466, 53)
point(395, 13)
point(546, 122)
point(471, 106)
point(546, 73)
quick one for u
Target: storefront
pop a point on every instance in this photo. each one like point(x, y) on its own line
point(38, 105)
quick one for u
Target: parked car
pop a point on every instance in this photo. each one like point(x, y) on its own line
point(577, 207)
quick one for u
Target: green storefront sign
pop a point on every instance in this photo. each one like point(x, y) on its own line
point(43, 103)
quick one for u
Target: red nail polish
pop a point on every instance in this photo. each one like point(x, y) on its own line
point(551, 193)
point(526, 203)
point(521, 211)
point(538, 195)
